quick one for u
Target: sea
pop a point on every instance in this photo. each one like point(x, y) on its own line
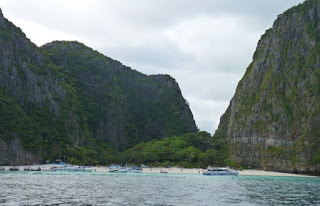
point(97, 188)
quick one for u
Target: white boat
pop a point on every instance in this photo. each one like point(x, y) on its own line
point(219, 171)
point(64, 169)
point(117, 169)
point(72, 168)
point(134, 169)
point(83, 169)
point(88, 169)
point(120, 170)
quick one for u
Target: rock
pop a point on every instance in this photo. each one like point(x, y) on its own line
point(271, 120)
point(124, 107)
point(65, 94)
point(14, 154)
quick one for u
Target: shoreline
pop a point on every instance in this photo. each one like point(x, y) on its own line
point(249, 172)
point(175, 170)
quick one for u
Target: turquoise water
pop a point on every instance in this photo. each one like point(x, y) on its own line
point(50, 188)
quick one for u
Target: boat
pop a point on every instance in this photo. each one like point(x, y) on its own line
point(83, 169)
point(1, 168)
point(134, 169)
point(31, 169)
point(163, 171)
point(64, 169)
point(36, 169)
point(117, 169)
point(71, 168)
point(14, 168)
point(53, 169)
point(78, 168)
point(121, 170)
point(88, 169)
point(219, 171)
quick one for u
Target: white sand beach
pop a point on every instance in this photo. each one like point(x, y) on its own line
point(175, 170)
point(250, 172)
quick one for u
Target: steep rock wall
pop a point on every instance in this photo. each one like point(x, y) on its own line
point(64, 95)
point(123, 106)
point(272, 121)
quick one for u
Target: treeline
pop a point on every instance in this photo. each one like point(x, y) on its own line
point(190, 150)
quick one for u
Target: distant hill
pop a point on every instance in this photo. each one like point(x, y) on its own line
point(65, 94)
point(273, 120)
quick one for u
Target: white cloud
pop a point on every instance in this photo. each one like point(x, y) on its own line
point(217, 43)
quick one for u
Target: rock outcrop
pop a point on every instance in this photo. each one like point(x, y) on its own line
point(123, 106)
point(64, 95)
point(273, 119)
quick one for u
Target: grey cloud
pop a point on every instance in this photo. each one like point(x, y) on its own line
point(143, 13)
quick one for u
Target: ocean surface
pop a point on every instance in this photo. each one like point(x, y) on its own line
point(56, 188)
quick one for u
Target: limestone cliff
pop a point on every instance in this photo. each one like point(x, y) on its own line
point(65, 95)
point(273, 119)
point(123, 106)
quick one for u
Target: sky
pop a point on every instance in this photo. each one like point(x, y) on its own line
point(206, 45)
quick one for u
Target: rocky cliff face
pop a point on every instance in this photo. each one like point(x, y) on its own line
point(273, 119)
point(65, 95)
point(29, 93)
point(123, 106)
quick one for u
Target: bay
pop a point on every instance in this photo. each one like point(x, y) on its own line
point(54, 188)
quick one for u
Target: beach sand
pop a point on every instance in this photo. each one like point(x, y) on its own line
point(241, 173)
point(175, 170)
point(270, 173)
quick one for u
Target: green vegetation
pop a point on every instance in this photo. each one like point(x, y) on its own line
point(16, 123)
point(68, 101)
point(98, 154)
point(117, 103)
point(190, 150)
point(36, 127)
point(274, 114)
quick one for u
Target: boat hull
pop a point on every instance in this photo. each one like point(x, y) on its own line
point(221, 173)
point(134, 171)
point(119, 171)
point(72, 169)
point(88, 170)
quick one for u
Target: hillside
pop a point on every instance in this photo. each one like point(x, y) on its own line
point(66, 95)
point(273, 119)
point(123, 106)
point(190, 150)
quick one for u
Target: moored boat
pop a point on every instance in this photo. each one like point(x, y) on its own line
point(88, 169)
point(14, 168)
point(83, 169)
point(64, 169)
point(122, 170)
point(219, 171)
point(71, 168)
point(117, 169)
point(134, 169)
point(36, 169)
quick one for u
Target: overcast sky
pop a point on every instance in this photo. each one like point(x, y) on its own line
point(206, 45)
